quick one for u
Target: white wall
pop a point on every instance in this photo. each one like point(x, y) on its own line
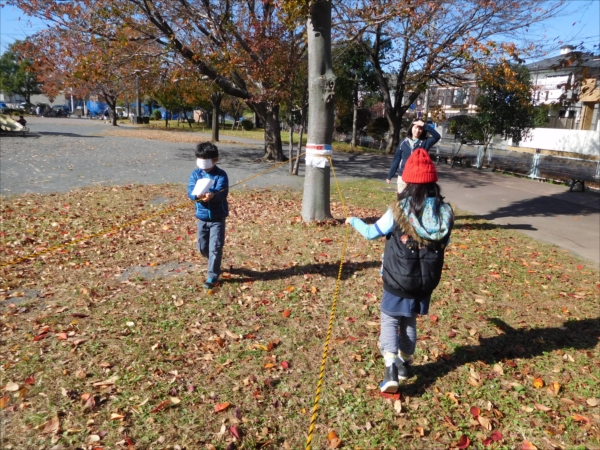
point(575, 141)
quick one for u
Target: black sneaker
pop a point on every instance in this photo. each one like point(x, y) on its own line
point(390, 380)
point(210, 283)
point(402, 370)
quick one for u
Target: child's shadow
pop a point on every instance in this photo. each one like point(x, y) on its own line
point(523, 344)
point(325, 269)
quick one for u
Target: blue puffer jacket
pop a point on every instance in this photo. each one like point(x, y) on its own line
point(405, 149)
point(217, 208)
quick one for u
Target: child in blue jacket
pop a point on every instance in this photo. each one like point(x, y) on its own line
point(211, 209)
point(416, 137)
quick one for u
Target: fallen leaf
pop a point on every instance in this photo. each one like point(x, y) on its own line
point(235, 431)
point(592, 401)
point(527, 409)
point(11, 387)
point(4, 401)
point(116, 416)
point(30, 380)
point(334, 440)
point(488, 441)
point(162, 405)
point(175, 400)
point(498, 369)
point(580, 418)
point(285, 364)
point(222, 407)
point(538, 383)
point(556, 387)
point(287, 313)
point(496, 436)
point(463, 442)
point(398, 406)
point(111, 381)
point(542, 407)
point(452, 397)
point(290, 289)
point(52, 426)
point(475, 411)
point(484, 422)
point(62, 336)
point(528, 446)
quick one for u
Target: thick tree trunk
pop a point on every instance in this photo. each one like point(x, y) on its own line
point(215, 99)
point(269, 115)
point(321, 89)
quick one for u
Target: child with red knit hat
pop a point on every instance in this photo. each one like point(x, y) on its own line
point(417, 228)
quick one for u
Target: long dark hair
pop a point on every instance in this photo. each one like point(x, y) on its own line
point(421, 137)
point(418, 193)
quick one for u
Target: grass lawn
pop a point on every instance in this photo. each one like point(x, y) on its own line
point(114, 344)
point(224, 134)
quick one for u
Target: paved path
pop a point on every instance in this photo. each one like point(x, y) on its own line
point(63, 154)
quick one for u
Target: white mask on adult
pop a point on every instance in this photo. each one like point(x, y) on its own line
point(204, 164)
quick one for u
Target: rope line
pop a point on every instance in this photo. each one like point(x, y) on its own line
point(315, 413)
point(116, 228)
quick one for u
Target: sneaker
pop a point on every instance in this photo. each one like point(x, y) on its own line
point(402, 371)
point(210, 283)
point(390, 380)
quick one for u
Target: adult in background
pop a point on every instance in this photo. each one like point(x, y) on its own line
point(416, 137)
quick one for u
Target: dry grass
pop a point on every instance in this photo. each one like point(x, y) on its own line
point(113, 343)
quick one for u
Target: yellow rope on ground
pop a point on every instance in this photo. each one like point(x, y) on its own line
point(315, 413)
point(126, 224)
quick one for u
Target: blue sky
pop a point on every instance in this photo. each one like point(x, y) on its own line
point(579, 23)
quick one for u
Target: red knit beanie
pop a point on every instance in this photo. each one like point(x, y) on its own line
point(419, 168)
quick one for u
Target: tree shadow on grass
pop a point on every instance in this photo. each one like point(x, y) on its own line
point(522, 344)
point(325, 269)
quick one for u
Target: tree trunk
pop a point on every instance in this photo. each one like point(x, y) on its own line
point(215, 99)
point(291, 146)
point(321, 89)
point(269, 115)
point(167, 112)
point(354, 113)
point(302, 126)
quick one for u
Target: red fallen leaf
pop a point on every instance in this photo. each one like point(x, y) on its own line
point(451, 334)
point(579, 267)
point(351, 319)
point(222, 407)
point(190, 388)
point(285, 364)
point(129, 442)
point(236, 432)
point(39, 337)
point(327, 240)
point(448, 420)
point(249, 336)
point(496, 436)
point(433, 318)
point(395, 396)
point(475, 411)
point(62, 336)
point(528, 446)
point(323, 255)
point(445, 356)
point(352, 338)
point(488, 441)
point(30, 380)
point(463, 442)
point(287, 313)
point(511, 364)
point(580, 418)
point(160, 406)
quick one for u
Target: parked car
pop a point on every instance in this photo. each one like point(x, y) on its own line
point(57, 111)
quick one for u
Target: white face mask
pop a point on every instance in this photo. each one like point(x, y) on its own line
point(204, 164)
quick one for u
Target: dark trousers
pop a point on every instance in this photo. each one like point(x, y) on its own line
point(211, 238)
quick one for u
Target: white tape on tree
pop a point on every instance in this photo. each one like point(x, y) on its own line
point(317, 155)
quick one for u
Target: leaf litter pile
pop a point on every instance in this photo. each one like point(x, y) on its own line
point(112, 343)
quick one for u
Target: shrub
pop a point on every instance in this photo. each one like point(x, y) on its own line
point(157, 114)
point(247, 124)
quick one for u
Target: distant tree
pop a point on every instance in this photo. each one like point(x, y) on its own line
point(541, 116)
point(17, 74)
point(355, 80)
point(504, 103)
